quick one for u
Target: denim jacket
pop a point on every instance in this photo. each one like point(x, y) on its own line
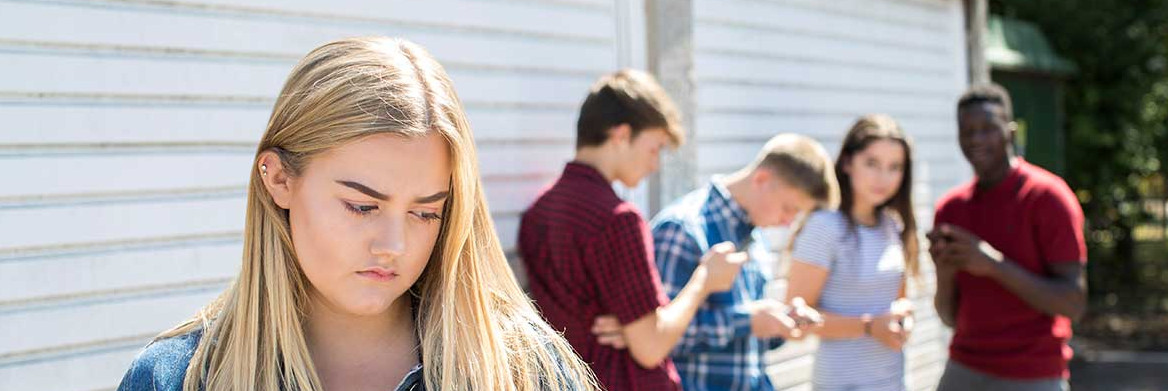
point(162, 365)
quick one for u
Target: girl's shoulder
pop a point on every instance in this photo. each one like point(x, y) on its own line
point(893, 222)
point(826, 222)
point(162, 365)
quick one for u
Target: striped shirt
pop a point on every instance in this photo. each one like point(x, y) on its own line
point(717, 351)
point(866, 267)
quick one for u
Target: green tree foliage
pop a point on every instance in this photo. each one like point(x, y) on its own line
point(1117, 112)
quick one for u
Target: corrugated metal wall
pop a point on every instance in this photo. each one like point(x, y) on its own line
point(129, 127)
point(812, 67)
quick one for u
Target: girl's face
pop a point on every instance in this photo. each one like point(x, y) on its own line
point(876, 172)
point(365, 217)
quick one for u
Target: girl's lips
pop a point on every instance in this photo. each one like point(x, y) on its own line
point(378, 274)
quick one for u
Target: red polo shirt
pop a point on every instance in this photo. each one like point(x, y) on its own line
point(589, 253)
point(1035, 220)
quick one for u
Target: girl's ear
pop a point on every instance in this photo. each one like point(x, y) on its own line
point(275, 178)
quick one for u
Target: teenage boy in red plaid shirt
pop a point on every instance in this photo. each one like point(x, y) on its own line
point(588, 253)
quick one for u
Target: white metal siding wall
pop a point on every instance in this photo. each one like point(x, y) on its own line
point(811, 67)
point(129, 126)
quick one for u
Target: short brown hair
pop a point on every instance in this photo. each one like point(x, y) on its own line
point(629, 97)
point(803, 163)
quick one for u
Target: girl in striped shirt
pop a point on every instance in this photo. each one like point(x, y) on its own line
point(851, 264)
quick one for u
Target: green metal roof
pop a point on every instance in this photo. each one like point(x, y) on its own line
point(1017, 45)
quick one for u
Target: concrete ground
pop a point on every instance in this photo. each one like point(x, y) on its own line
point(1120, 371)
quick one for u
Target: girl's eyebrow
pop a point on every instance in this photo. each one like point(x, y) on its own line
point(439, 196)
point(364, 189)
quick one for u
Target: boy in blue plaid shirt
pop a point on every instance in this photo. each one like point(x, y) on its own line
point(723, 347)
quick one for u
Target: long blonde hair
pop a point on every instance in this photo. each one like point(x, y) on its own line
point(477, 328)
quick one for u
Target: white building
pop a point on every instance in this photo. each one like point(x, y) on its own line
point(129, 127)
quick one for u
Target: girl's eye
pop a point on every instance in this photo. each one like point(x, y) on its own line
point(360, 210)
point(427, 216)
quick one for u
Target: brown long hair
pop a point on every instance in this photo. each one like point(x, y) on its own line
point(866, 130)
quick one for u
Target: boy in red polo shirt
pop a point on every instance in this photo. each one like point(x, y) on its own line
point(1010, 259)
point(588, 253)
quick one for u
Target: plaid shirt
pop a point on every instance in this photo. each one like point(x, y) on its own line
point(588, 253)
point(718, 351)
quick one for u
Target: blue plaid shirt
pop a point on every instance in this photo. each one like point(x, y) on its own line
point(717, 352)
